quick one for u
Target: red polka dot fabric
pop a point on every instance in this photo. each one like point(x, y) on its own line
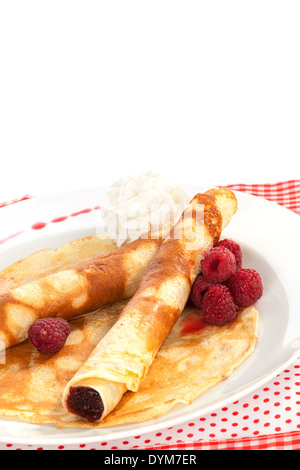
point(269, 418)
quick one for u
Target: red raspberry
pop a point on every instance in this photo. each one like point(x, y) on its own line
point(219, 264)
point(218, 306)
point(199, 287)
point(235, 248)
point(48, 335)
point(246, 287)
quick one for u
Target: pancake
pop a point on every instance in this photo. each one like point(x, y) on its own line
point(194, 357)
point(79, 289)
point(47, 261)
point(122, 358)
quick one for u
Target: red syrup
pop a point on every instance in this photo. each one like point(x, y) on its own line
point(10, 237)
point(84, 211)
point(15, 201)
point(192, 323)
point(58, 219)
point(39, 225)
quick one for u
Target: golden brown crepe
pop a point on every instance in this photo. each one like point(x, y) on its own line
point(80, 289)
point(194, 357)
point(122, 358)
point(47, 261)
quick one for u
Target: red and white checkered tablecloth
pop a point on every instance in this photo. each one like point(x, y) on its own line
point(285, 193)
point(268, 419)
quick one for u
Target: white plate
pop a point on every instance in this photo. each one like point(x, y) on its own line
point(269, 236)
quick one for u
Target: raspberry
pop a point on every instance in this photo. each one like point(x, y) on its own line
point(48, 335)
point(199, 287)
point(219, 264)
point(235, 248)
point(218, 306)
point(246, 287)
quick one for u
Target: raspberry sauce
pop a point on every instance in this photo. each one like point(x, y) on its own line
point(86, 403)
point(192, 323)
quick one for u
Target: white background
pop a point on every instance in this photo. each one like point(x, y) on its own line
point(204, 92)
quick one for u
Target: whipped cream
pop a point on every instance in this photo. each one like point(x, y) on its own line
point(137, 205)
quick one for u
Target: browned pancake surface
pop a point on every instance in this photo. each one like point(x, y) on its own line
point(194, 357)
point(47, 261)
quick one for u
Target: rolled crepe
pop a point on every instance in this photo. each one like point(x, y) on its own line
point(81, 289)
point(122, 358)
point(45, 262)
